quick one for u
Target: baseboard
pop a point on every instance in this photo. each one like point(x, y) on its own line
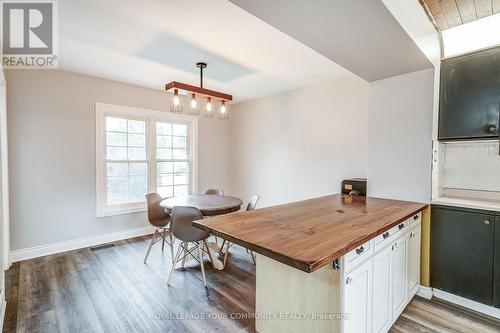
point(44, 250)
point(425, 292)
point(467, 303)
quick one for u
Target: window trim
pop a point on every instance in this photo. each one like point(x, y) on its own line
point(151, 116)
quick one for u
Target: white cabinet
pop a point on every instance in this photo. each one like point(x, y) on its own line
point(399, 275)
point(414, 260)
point(377, 291)
point(358, 299)
point(382, 286)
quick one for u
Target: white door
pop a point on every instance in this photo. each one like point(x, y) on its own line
point(414, 261)
point(399, 275)
point(358, 299)
point(381, 301)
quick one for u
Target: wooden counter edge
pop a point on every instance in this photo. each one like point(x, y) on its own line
point(309, 266)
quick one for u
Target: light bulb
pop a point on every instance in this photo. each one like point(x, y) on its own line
point(176, 100)
point(209, 104)
point(222, 110)
point(193, 102)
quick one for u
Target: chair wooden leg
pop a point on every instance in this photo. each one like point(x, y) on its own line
point(174, 261)
point(226, 253)
point(171, 245)
point(209, 251)
point(253, 257)
point(221, 249)
point(185, 252)
point(200, 255)
point(153, 239)
point(163, 240)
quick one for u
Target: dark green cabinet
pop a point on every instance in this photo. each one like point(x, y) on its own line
point(496, 265)
point(462, 250)
point(469, 103)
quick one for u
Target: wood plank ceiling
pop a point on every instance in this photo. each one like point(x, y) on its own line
point(451, 13)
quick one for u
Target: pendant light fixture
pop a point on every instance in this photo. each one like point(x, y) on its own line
point(176, 106)
point(209, 112)
point(223, 110)
point(194, 110)
point(211, 96)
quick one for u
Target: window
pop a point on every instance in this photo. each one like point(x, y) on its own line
point(172, 163)
point(472, 36)
point(140, 151)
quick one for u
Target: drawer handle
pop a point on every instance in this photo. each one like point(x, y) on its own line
point(348, 280)
point(385, 235)
point(360, 250)
point(401, 226)
point(415, 217)
point(486, 222)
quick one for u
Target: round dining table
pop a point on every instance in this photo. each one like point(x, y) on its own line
point(208, 204)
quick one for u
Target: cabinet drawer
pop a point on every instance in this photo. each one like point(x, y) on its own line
point(390, 235)
point(358, 255)
point(415, 219)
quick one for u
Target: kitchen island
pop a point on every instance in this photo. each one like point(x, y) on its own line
point(329, 264)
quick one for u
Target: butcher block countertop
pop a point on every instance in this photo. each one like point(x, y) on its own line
point(312, 233)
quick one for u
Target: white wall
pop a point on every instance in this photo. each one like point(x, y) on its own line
point(400, 137)
point(300, 144)
point(414, 20)
point(52, 154)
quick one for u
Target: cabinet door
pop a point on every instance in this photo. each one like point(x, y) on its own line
point(469, 99)
point(382, 283)
point(414, 261)
point(462, 252)
point(399, 275)
point(496, 265)
point(358, 299)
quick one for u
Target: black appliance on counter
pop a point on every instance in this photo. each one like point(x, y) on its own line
point(354, 186)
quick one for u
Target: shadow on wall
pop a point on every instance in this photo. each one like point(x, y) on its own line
point(171, 51)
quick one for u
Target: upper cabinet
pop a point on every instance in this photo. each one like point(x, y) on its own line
point(469, 105)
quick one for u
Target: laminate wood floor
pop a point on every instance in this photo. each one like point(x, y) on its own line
point(111, 290)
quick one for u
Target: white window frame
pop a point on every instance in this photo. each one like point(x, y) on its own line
point(103, 110)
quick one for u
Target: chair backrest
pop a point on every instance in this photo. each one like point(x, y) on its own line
point(156, 213)
point(182, 224)
point(253, 202)
point(215, 191)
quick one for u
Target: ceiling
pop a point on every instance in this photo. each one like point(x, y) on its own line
point(359, 35)
point(153, 42)
point(253, 48)
point(451, 13)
